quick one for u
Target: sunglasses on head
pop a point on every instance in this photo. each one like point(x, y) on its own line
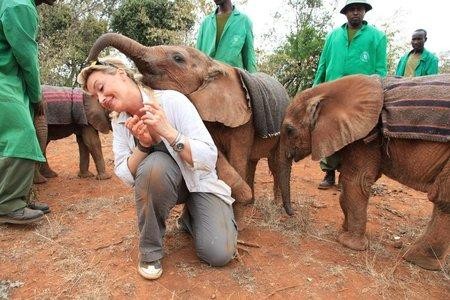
point(101, 63)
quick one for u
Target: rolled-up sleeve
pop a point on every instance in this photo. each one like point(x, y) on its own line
point(122, 152)
point(189, 123)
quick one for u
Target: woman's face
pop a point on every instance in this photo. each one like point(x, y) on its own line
point(111, 90)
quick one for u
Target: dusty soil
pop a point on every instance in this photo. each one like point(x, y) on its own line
point(87, 246)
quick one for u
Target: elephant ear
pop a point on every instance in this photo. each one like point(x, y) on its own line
point(343, 111)
point(221, 98)
point(96, 115)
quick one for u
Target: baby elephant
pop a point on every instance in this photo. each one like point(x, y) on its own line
point(69, 111)
point(396, 126)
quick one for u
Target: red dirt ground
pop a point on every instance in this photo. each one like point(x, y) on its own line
point(87, 245)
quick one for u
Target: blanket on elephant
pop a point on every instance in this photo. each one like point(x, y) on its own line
point(268, 99)
point(417, 108)
point(64, 105)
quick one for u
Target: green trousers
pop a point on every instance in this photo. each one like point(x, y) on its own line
point(330, 163)
point(16, 178)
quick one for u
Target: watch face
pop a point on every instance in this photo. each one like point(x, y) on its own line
point(178, 147)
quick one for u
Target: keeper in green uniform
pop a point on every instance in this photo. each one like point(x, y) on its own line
point(20, 96)
point(353, 48)
point(226, 35)
point(419, 61)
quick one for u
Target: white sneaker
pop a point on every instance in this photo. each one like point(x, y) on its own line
point(150, 270)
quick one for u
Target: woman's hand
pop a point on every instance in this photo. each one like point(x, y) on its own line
point(139, 130)
point(156, 120)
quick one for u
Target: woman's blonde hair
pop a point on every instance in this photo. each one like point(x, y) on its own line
point(108, 65)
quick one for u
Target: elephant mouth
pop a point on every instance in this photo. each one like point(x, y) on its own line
point(294, 154)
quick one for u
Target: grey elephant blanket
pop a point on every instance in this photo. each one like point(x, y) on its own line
point(64, 105)
point(417, 108)
point(268, 99)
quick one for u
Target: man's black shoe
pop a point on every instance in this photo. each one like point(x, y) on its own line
point(328, 181)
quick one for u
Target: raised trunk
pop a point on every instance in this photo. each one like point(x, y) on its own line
point(134, 50)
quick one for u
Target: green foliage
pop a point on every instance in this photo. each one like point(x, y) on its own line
point(154, 22)
point(294, 63)
point(444, 63)
point(395, 49)
point(65, 37)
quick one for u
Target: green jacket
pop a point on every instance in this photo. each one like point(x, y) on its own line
point(428, 64)
point(19, 79)
point(366, 54)
point(236, 44)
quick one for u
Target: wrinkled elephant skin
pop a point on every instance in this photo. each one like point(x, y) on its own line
point(216, 91)
point(87, 137)
point(340, 116)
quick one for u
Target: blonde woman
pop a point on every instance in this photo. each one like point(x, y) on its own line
point(165, 152)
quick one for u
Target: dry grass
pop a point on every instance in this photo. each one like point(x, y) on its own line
point(92, 208)
point(274, 217)
point(6, 286)
point(244, 278)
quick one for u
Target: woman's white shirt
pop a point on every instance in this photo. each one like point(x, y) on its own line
point(183, 116)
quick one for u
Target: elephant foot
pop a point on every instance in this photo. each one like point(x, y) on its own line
point(288, 208)
point(418, 256)
point(38, 178)
point(103, 176)
point(85, 174)
point(242, 193)
point(352, 241)
point(48, 173)
point(239, 216)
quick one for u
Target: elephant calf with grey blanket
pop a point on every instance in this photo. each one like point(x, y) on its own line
point(69, 111)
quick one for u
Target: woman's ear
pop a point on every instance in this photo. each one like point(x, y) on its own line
point(123, 75)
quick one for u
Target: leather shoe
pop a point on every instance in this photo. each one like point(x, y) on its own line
point(22, 216)
point(328, 181)
point(39, 206)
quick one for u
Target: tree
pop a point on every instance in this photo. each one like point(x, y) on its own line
point(67, 30)
point(295, 62)
point(444, 62)
point(154, 22)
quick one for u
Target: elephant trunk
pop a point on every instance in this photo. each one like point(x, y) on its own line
point(96, 115)
point(134, 50)
point(40, 124)
point(284, 176)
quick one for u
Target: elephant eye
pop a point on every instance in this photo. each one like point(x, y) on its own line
point(290, 130)
point(178, 58)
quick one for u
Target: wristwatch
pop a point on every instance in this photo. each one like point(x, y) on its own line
point(178, 143)
point(178, 146)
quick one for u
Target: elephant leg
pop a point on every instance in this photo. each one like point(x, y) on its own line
point(359, 171)
point(240, 191)
point(94, 146)
point(84, 158)
point(251, 170)
point(45, 169)
point(430, 251)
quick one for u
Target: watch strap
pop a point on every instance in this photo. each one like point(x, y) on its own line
point(143, 148)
